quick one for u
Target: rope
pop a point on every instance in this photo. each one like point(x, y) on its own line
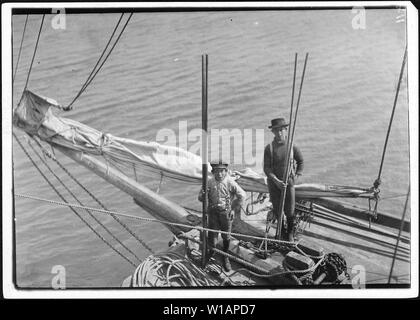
point(33, 56)
point(154, 220)
point(184, 272)
point(94, 72)
point(20, 50)
point(142, 242)
point(392, 114)
point(74, 196)
point(74, 211)
point(399, 235)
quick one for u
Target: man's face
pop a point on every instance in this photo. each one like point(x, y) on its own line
point(219, 174)
point(280, 134)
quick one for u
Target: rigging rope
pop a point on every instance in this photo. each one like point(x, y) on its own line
point(94, 72)
point(399, 235)
point(74, 196)
point(156, 220)
point(377, 182)
point(71, 208)
point(35, 49)
point(20, 50)
point(49, 155)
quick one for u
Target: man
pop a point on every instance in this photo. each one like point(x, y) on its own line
point(221, 190)
point(275, 156)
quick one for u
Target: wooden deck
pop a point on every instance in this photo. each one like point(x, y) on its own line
point(365, 248)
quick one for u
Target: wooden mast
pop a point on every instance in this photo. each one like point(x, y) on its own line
point(290, 146)
point(204, 63)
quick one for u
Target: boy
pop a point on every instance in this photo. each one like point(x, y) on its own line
point(221, 190)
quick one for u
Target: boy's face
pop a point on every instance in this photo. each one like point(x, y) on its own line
point(280, 134)
point(219, 173)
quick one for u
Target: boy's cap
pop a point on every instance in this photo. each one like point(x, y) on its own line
point(219, 164)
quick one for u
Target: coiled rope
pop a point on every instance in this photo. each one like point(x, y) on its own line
point(171, 269)
point(72, 208)
point(97, 68)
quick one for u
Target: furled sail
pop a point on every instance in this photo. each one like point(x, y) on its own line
point(34, 115)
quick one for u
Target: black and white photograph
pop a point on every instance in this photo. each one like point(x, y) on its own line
point(210, 150)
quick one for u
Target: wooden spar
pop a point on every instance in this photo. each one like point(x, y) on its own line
point(281, 204)
point(204, 62)
point(290, 146)
point(157, 205)
point(348, 209)
point(148, 199)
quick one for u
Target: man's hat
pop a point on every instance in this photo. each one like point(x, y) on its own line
point(278, 123)
point(219, 164)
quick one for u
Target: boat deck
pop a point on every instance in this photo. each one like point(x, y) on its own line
point(369, 249)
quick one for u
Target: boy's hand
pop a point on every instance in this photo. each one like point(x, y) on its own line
point(231, 215)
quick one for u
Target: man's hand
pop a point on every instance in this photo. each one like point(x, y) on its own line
point(280, 184)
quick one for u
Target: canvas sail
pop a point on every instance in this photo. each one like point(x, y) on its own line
point(34, 115)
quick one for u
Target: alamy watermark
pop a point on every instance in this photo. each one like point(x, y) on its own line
point(58, 22)
point(359, 18)
point(58, 281)
point(237, 146)
point(358, 281)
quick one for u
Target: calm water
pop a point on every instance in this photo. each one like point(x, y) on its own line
point(152, 81)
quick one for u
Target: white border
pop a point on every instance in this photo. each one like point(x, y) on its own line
point(10, 291)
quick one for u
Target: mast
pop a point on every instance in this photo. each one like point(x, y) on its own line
point(290, 146)
point(281, 205)
point(204, 64)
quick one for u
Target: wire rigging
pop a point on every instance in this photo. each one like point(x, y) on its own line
point(96, 69)
point(283, 242)
point(20, 50)
point(78, 201)
point(35, 49)
point(71, 208)
point(392, 117)
point(142, 242)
